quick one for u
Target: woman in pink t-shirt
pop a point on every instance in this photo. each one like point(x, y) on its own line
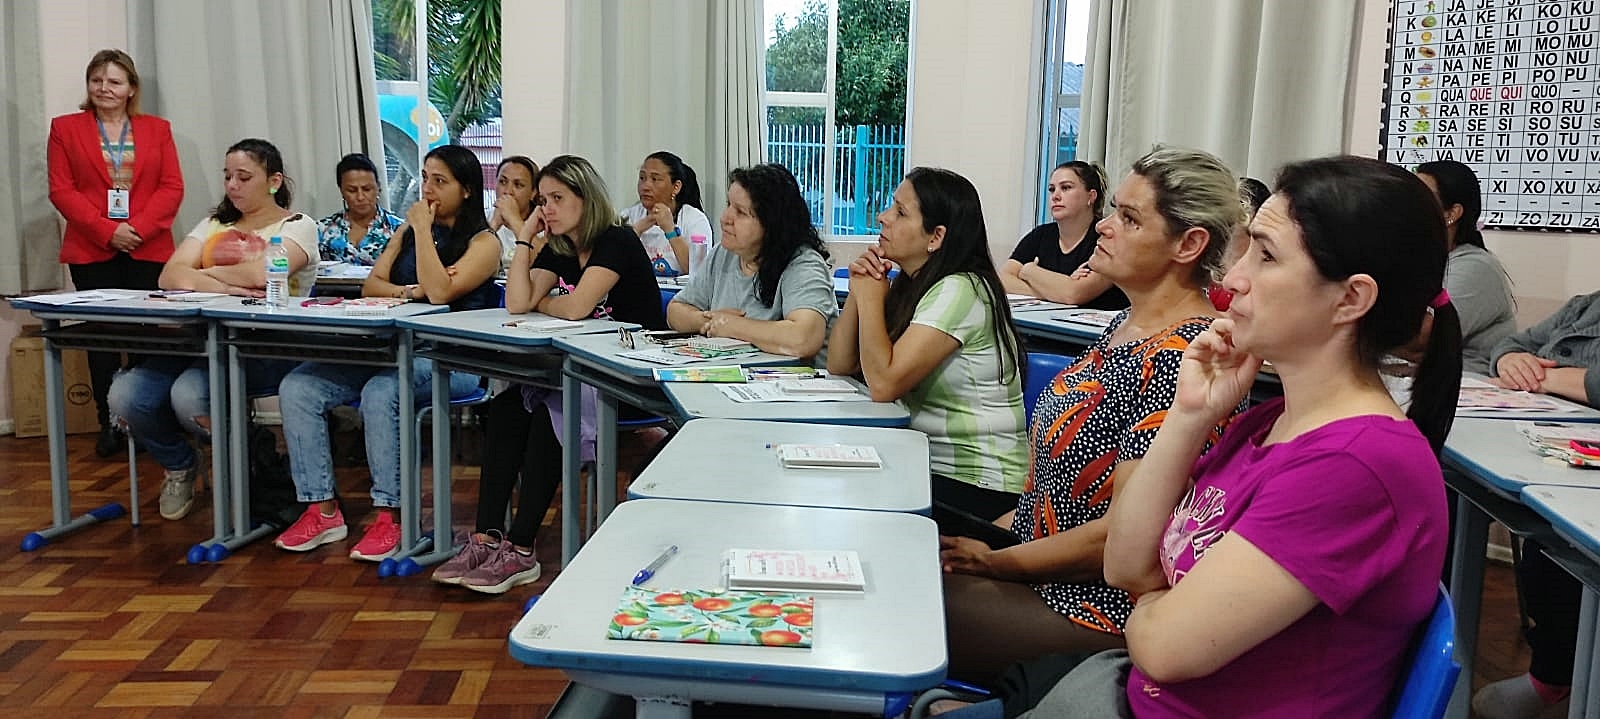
point(1286, 572)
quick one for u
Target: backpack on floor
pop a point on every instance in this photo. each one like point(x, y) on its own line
point(272, 494)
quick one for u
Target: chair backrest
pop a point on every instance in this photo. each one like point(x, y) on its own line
point(666, 299)
point(1431, 676)
point(1042, 369)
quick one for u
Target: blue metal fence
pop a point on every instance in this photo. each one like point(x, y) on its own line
point(868, 163)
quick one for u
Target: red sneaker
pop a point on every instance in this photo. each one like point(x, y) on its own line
point(312, 530)
point(381, 540)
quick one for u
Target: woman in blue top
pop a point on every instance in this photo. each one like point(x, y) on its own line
point(358, 233)
point(445, 255)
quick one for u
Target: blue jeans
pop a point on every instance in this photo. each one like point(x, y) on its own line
point(306, 395)
point(163, 398)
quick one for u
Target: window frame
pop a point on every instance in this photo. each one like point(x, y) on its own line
point(1052, 98)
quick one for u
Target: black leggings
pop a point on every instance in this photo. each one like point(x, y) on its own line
point(119, 272)
point(518, 442)
point(1553, 599)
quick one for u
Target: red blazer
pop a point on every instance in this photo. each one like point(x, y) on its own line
point(79, 180)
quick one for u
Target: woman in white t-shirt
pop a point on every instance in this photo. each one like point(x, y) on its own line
point(515, 198)
point(668, 212)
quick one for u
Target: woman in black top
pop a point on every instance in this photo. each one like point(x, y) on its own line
point(1051, 261)
point(573, 246)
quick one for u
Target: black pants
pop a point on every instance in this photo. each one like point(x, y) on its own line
point(1552, 597)
point(119, 272)
point(955, 500)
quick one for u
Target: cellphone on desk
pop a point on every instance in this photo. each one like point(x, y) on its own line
point(321, 301)
point(1590, 450)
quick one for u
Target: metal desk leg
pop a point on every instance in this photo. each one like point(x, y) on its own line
point(410, 486)
point(230, 448)
point(1471, 541)
point(605, 460)
point(443, 531)
point(1585, 673)
point(56, 427)
point(571, 458)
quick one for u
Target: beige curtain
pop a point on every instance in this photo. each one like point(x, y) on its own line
point(295, 72)
point(677, 75)
point(1258, 82)
point(30, 235)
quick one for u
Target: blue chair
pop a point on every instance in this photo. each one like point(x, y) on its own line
point(666, 298)
point(1042, 369)
point(1431, 677)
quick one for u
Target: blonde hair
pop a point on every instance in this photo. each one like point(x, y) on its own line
point(579, 176)
point(120, 59)
point(1194, 189)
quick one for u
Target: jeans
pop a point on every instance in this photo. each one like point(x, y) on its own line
point(314, 388)
point(163, 398)
point(119, 271)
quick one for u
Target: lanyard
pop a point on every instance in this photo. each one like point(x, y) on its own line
point(122, 140)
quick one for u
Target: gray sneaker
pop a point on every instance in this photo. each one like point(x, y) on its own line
point(471, 556)
point(504, 569)
point(177, 491)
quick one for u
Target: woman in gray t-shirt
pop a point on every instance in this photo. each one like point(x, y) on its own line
point(1477, 282)
point(768, 282)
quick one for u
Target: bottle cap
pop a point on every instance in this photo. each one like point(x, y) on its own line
point(276, 240)
point(697, 239)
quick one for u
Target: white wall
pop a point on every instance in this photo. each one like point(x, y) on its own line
point(1546, 267)
point(970, 104)
point(533, 72)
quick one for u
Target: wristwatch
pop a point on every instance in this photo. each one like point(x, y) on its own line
point(675, 233)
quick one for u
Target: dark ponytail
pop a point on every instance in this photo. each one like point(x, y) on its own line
point(1436, 386)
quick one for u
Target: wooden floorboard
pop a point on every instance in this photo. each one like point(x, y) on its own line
point(112, 622)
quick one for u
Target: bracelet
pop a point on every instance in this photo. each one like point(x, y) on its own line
point(528, 245)
point(675, 233)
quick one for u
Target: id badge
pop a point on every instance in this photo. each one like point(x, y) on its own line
point(117, 204)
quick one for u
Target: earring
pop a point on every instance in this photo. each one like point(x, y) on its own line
point(272, 190)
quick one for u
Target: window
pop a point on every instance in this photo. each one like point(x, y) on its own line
point(1066, 41)
point(462, 42)
point(835, 100)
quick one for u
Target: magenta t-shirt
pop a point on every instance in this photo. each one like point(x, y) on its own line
point(1354, 510)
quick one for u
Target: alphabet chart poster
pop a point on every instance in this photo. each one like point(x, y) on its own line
point(1512, 89)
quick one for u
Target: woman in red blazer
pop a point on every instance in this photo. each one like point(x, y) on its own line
point(114, 176)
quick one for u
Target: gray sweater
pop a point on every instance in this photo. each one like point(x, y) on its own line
point(1481, 293)
point(1571, 337)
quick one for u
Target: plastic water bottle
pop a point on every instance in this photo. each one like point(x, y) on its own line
point(697, 253)
point(277, 274)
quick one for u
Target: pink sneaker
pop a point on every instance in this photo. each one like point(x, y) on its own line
point(471, 556)
point(504, 569)
point(312, 530)
point(380, 541)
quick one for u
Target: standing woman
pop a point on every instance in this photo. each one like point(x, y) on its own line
point(1479, 287)
point(1052, 261)
point(668, 212)
point(941, 338)
point(357, 234)
point(444, 254)
point(515, 198)
point(572, 261)
point(114, 176)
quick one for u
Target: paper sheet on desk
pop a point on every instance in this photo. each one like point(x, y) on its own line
point(1495, 399)
point(80, 297)
point(771, 392)
point(331, 270)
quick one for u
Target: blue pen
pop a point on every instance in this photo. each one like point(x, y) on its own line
point(645, 574)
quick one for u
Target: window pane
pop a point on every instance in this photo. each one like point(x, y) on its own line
point(870, 108)
point(795, 140)
point(797, 45)
point(1066, 144)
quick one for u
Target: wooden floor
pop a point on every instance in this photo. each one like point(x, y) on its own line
point(111, 622)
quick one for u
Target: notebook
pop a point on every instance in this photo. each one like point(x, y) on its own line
point(790, 570)
point(817, 386)
point(810, 456)
point(702, 617)
point(370, 305)
point(727, 373)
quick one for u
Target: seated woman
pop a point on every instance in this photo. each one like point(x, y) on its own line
point(596, 268)
point(357, 234)
point(1559, 356)
point(1092, 425)
point(161, 397)
point(1051, 262)
point(443, 254)
point(940, 337)
point(1478, 284)
point(515, 199)
point(1285, 572)
point(768, 282)
point(668, 212)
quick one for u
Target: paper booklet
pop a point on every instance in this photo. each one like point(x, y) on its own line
point(817, 386)
point(1495, 399)
point(370, 305)
point(813, 456)
point(788, 570)
point(704, 617)
point(543, 324)
point(727, 373)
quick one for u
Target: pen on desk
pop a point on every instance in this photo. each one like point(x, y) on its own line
point(649, 571)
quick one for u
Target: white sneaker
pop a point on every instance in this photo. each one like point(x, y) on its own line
point(177, 491)
point(1513, 698)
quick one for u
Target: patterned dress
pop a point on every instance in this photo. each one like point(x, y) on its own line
point(334, 242)
point(1102, 410)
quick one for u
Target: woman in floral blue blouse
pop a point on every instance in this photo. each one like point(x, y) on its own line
point(358, 234)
